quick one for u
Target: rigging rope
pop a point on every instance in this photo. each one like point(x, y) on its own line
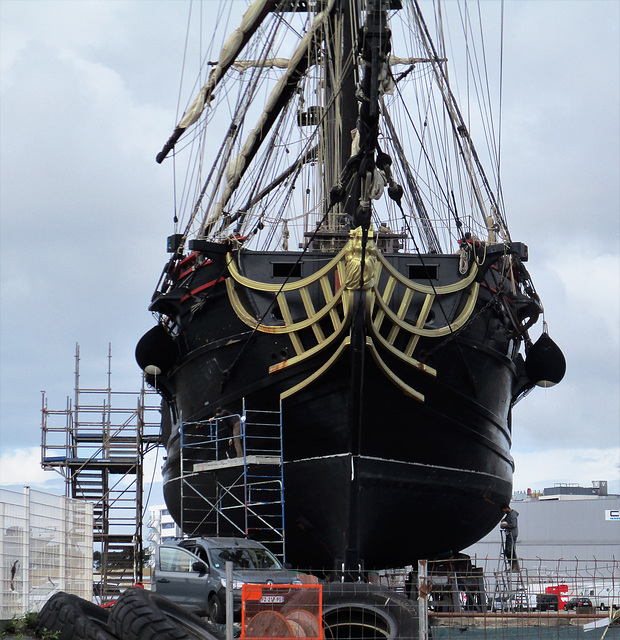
point(228, 372)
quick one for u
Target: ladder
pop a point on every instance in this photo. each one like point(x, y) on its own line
point(510, 593)
point(234, 496)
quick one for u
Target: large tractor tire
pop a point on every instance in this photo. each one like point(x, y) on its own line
point(73, 618)
point(139, 614)
point(358, 610)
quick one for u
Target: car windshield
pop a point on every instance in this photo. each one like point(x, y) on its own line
point(260, 559)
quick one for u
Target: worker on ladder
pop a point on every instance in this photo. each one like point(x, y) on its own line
point(509, 525)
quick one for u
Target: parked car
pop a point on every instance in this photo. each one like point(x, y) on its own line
point(573, 603)
point(603, 595)
point(548, 602)
point(192, 572)
point(526, 602)
point(501, 604)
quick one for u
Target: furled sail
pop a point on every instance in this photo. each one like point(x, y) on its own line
point(252, 19)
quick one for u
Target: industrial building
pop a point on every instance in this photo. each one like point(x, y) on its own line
point(560, 526)
point(162, 528)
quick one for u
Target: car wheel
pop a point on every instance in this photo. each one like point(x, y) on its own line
point(139, 614)
point(603, 606)
point(68, 617)
point(216, 610)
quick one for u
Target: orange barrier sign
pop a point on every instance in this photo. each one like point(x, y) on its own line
point(281, 611)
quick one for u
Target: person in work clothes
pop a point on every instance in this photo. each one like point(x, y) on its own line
point(511, 527)
point(230, 426)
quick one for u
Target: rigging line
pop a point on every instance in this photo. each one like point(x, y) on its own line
point(481, 84)
point(189, 19)
point(148, 497)
point(262, 170)
point(484, 100)
point(500, 193)
point(429, 232)
point(307, 156)
point(245, 98)
point(203, 191)
point(451, 103)
point(228, 372)
point(426, 270)
point(430, 163)
point(487, 103)
point(280, 214)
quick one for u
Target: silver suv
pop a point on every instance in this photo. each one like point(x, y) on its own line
point(192, 572)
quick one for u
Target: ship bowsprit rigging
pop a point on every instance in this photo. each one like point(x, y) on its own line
point(344, 253)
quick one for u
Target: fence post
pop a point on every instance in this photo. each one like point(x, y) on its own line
point(26, 554)
point(229, 600)
point(423, 591)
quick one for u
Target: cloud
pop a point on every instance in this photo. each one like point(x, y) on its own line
point(574, 465)
point(89, 95)
point(22, 467)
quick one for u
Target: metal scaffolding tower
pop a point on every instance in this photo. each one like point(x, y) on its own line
point(242, 495)
point(98, 443)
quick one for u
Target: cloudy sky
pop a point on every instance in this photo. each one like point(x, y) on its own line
point(89, 94)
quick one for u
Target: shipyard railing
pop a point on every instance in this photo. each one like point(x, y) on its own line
point(464, 598)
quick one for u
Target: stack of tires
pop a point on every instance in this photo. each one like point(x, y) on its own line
point(136, 615)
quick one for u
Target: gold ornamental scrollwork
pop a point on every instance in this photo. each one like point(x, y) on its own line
point(323, 313)
point(353, 261)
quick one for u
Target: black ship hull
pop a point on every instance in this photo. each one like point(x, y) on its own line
point(396, 446)
point(427, 480)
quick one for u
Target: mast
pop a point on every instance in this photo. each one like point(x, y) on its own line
point(374, 49)
point(340, 93)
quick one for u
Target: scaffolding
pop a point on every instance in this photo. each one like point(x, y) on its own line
point(239, 495)
point(98, 443)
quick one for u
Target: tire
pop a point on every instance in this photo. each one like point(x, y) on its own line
point(216, 610)
point(350, 610)
point(142, 615)
point(73, 618)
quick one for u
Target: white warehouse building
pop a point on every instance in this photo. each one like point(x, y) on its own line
point(560, 527)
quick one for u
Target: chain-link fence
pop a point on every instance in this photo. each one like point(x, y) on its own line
point(46, 545)
point(471, 598)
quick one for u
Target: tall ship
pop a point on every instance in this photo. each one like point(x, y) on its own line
point(341, 255)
